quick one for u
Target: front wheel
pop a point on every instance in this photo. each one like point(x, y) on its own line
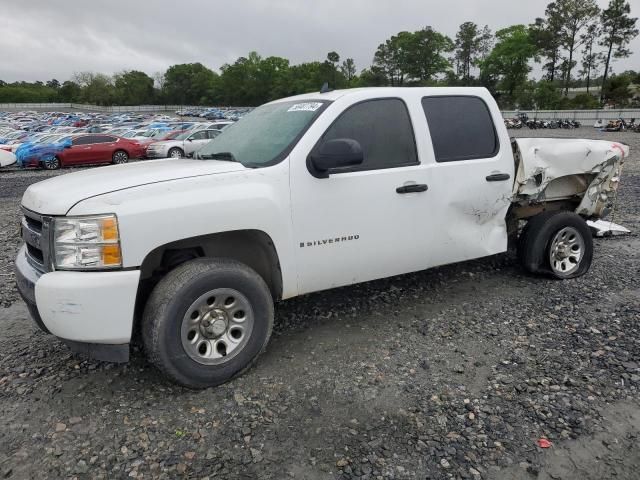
point(207, 321)
point(556, 243)
point(176, 153)
point(120, 157)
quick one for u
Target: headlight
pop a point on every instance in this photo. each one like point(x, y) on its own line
point(86, 243)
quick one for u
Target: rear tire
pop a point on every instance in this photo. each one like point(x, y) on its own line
point(190, 318)
point(52, 163)
point(558, 244)
point(119, 157)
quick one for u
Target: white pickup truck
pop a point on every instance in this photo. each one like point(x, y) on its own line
point(303, 194)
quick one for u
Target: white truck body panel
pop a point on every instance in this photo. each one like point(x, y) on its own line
point(158, 213)
point(461, 216)
point(90, 307)
point(348, 227)
point(55, 196)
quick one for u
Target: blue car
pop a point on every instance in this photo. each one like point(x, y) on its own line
point(30, 155)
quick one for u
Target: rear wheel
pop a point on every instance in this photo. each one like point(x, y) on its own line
point(207, 321)
point(176, 153)
point(558, 244)
point(51, 163)
point(119, 157)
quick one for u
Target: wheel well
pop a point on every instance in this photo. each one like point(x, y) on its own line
point(254, 248)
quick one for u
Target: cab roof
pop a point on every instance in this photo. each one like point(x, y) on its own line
point(386, 91)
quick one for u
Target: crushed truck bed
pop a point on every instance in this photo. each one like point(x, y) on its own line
point(580, 170)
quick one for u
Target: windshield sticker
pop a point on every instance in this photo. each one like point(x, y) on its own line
point(305, 107)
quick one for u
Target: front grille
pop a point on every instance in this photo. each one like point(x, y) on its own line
point(35, 234)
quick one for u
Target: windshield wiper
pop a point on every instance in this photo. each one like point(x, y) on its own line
point(228, 156)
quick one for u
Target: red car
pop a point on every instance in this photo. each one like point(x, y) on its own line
point(91, 149)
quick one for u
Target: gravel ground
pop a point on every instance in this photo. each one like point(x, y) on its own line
point(455, 372)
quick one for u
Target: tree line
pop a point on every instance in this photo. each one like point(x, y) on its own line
point(575, 44)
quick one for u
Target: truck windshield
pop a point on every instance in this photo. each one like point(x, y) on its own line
point(265, 135)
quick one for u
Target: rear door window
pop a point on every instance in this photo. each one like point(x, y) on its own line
point(85, 140)
point(461, 128)
point(202, 135)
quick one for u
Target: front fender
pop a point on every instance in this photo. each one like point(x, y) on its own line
point(157, 214)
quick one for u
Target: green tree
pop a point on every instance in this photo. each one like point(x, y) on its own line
point(584, 101)
point(547, 96)
point(508, 62)
point(546, 35)
point(417, 56)
point(95, 88)
point(572, 16)
point(348, 70)
point(133, 88)
point(372, 77)
point(331, 68)
point(590, 59)
point(467, 46)
point(485, 46)
point(306, 77)
point(190, 84)
point(426, 54)
point(253, 80)
point(69, 92)
point(617, 91)
point(618, 30)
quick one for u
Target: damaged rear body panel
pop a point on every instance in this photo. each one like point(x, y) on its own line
point(582, 172)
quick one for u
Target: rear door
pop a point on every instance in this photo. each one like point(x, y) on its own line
point(104, 147)
point(470, 179)
point(195, 141)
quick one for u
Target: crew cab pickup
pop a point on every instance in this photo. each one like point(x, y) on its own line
point(303, 194)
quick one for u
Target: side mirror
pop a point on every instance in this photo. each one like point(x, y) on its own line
point(332, 154)
point(189, 139)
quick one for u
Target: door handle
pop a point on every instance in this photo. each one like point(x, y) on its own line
point(498, 177)
point(415, 188)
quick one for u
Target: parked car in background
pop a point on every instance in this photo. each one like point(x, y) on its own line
point(217, 125)
point(182, 145)
point(84, 150)
point(6, 158)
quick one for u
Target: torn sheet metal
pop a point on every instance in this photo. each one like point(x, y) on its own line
point(550, 169)
point(603, 228)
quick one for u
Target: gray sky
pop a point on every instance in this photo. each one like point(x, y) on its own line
point(44, 39)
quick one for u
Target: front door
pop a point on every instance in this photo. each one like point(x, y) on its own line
point(360, 223)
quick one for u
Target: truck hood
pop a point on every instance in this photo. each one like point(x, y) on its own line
point(57, 195)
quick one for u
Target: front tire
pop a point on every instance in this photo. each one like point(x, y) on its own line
point(119, 157)
point(207, 321)
point(176, 153)
point(558, 244)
